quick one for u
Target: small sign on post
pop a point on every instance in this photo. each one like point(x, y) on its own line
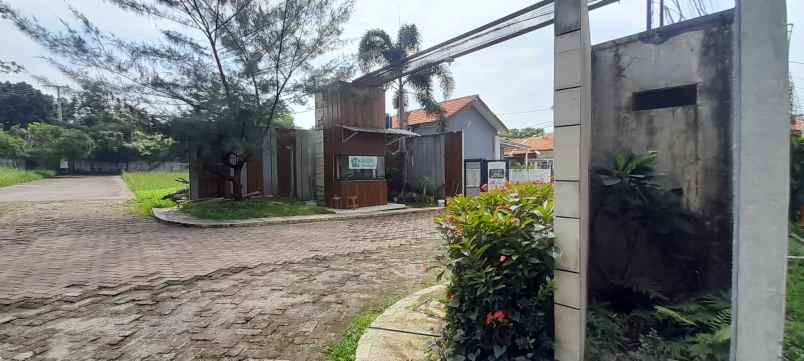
point(497, 173)
point(482, 175)
point(473, 177)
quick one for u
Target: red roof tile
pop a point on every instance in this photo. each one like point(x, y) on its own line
point(540, 144)
point(798, 123)
point(451, 107)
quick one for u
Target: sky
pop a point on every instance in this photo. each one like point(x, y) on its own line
point(514, 78)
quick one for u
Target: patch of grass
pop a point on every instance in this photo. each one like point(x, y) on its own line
point(794, 327)
point(12, 176)
point(252, 208)
point(345, 348)
point(150, 187)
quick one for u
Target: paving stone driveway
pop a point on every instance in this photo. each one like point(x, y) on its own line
point(84, 280)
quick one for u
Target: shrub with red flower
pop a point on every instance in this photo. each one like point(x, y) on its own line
point(494, 316)
point(500, 255)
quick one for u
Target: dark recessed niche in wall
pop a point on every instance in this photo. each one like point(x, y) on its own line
point(678, 96)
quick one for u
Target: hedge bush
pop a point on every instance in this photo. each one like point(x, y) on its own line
point(500, 255)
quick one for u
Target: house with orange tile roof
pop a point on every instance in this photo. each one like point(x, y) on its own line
point(797, 124)
point(471, 116)
point(537, 151)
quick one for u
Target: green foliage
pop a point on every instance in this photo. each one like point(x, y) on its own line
point(50, 143)
point(633, 319)
point(796, 175)
point(500, 258)
point(151, 147)
point(794, 325)
point(12, 176)
point(21, 103)
point(377, 49)
point(150, 187)
point(227, 69)
point(628, 183)
point(252, 208)
point(11, 146)
point(626, 197)
point(698, 329)
point(110, 122)
point(346, 347)
point(527, 132)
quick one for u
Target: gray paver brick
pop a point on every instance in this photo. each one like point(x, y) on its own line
point(280, 292)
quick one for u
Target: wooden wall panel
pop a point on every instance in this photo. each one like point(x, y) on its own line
point(369, 192)
point(286, 144)
point(210, 185)
point(254, 181)
point(453, 164)
point(348, 104)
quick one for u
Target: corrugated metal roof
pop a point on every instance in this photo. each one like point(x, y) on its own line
point(401, 132)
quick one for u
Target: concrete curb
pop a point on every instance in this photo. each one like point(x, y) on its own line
point(174, 216)
point(402, 331)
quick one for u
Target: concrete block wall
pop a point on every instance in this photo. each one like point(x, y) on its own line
point(572, 133)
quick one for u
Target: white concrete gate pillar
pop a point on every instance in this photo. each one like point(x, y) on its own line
point(572, 115)
point(761, 180)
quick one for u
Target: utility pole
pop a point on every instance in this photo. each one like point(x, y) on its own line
point(661, 13)
point(58, 100)
point(649, 21)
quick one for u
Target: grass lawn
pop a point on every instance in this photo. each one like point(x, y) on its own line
point(345, 348)
point(11, 176)
point(150, 187)
point(794, 328)
point(252, 208)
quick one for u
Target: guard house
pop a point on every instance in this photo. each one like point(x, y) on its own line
point(338, 164)
point(352, 120)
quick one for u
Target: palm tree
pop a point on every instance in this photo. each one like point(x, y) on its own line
point(377, 49)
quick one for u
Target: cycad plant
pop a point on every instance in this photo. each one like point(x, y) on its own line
point(377, 49)
point(628, 199)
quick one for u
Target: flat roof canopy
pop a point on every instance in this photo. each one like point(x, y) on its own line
point(400, 132)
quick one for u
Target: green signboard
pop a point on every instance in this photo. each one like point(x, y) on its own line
point(362, 162)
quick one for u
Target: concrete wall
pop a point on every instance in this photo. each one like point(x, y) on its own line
point(479, 135)
point(762, 180)
point(693, 142)
point(91, 166)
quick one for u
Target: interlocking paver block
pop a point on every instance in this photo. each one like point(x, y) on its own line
point(97, 283)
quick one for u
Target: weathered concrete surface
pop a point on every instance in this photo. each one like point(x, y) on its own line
point(403, 330)
point(694, 142)
point(67, 188)
point(762, 159)
point(573, 96)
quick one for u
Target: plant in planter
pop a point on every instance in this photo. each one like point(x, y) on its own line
point(500, 257)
